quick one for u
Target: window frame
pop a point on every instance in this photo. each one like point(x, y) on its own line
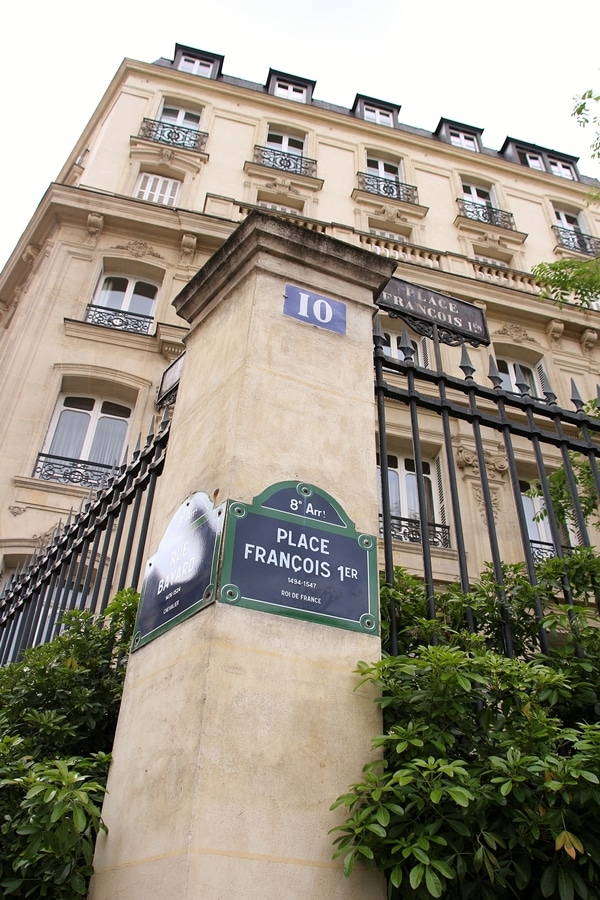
point(290, 90)
point(274, 131)
point(182, 111)
point(129, 293)
point(536, 370)
point(174, 187)
point(97, 414)
point(466, 140)
point(200, 65)
point(378, 115)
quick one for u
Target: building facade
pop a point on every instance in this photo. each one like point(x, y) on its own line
point(174, 158)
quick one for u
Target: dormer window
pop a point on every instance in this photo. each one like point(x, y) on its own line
point(196, 66)
point(541, 159)
point(290, 87)
point(467, 137)
point(379, 116)
point(463, 139)
point(290, 91)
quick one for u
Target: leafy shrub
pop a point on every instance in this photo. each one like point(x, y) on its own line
point(58, 713)
point(487, 781)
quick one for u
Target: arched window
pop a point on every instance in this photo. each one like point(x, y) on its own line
point(125, 300)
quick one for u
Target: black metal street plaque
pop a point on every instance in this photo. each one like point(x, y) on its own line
point(180, 578)
point(295, 552)
point(423, 308)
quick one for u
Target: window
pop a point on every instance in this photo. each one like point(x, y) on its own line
point(533, 160)
point(562, 169)
point(568, 220)
point(463, 139)
point(278, 207)
point(184, 118)
point(286, 143)
point(570, 233)
point(404, 501)
point(379, 116)
point(391, 348)
point(290, 91)
point(86, 440)
point(478, 203)
point(123, 302)
point(196, 66)
point(533, 376)
point(157, 189)
point(477, 194)
point(383, 168)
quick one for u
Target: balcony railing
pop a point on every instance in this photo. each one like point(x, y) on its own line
point(174, 135)
point(409, 531)
point(115, 318)
point(388, 187)
point(71, 471)
point(482, 213)
point(576, 240)
point(288, 162)
point(541, 550)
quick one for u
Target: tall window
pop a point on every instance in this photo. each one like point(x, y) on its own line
point(404, 500)
point(534, 376)
point(123, 302)
point(183, 118)
point(85, 440)
point(383, 168)
point(286, 143)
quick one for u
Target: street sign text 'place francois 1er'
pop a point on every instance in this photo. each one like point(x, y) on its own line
point(294, 552)
point(453, 317)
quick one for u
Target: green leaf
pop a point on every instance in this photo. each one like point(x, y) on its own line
point(416, 876)
point(434, 885)
point(377, 829)
point(79, 819)
point(396, 875)
point(565, 885)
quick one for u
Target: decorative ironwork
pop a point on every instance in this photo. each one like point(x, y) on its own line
point(541, 550)
point(388, 187)
point(71, 471)
point(480, 212)
point(576, 240)
point(287, 162)
point(409, 531)
point(174, 135)
point(116, 318)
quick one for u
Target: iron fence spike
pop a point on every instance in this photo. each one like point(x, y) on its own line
point(494, 375)
point(465, 363)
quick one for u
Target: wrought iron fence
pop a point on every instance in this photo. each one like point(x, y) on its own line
point(96, 553)
point(288, 162)
point(174, 135)
point(409, 531)
point(517, 425)
point(488, 214)
point(116, 318)
point(387, 187)
point(576, 240)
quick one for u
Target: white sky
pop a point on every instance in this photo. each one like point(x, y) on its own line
point(511, 68)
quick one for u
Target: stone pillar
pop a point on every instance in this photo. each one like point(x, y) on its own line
point(238, 728)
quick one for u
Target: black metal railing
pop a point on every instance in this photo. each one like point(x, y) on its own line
point(97, 552)
point(71, 471)
point(409, 531)
point(542, 550)
point(287, 162)
point(480, 212)
point(576, 240)
point(116, 318)
point(387, 187)
point(174, 135)
point(497, 427)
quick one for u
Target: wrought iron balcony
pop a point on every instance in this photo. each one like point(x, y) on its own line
point(541, 550)
point(174, 135)
point(409, 531)
point(115, 318)
point(480, 212)
point(576, 240)
point(288, 162)
point(71, 471)
point(388, 187)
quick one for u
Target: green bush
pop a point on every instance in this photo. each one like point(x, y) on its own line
point(58, 713)
point(487, 780)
